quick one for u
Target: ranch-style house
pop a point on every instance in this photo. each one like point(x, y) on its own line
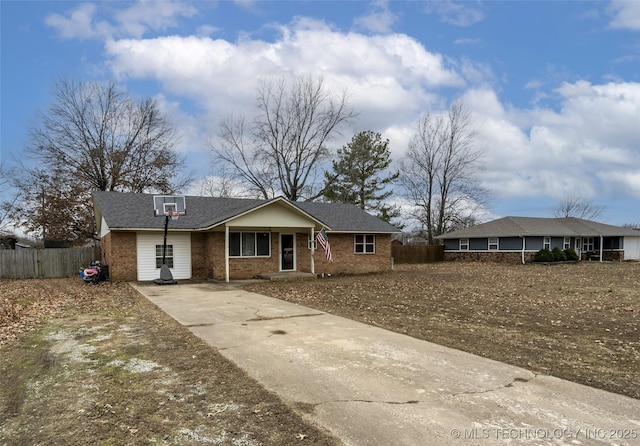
point(518, 239)
point(229, 239)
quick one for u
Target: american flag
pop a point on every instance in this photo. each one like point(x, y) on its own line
point(322, 238)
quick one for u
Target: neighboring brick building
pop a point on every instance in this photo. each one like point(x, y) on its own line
point(228, 239)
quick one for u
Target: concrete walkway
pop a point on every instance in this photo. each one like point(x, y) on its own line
point(370, 386)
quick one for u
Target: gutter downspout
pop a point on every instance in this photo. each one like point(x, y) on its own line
point(523, 246)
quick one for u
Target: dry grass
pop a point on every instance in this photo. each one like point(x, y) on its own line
point(99, 364)
point(84, 364)
point(580, 322)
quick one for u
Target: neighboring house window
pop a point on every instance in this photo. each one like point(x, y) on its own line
point(493, 243)
point(546, 244)
point(464, 244)
point(567, 243)
point(365, 244)
point(168, 256)
point(587, 244)
point(249, 244)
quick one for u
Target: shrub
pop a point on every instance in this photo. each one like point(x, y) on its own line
point(558, 255)
point(571, 254)
point(544, 255)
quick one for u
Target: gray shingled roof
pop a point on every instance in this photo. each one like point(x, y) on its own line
point(135, 211)
point(532, 226)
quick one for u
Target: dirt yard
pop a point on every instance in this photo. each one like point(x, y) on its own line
point(82, 362)
point(98, 364)
point(580, 322)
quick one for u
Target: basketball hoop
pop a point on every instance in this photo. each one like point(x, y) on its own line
point(174, 215)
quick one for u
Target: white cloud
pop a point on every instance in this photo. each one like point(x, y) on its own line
point(456, 13)
point(625, 14)
point(391, 79)
point(135, 21)
point(468, 41)
point(628, 180)
point(587, 147)
point(607, 113)
point(80, 23)
point(383, 75)
point(380, 20)
point(147, 15)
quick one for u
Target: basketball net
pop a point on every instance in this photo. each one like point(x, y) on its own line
point(174, 215)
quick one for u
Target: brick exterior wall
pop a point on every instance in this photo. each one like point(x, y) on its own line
point(493, 256)
point(207, 257)
point(607, 256)
point(342, 247)
point(105, 248)
point(346, 261)
point(199, 256)
point(516, 257)
point(121, 256)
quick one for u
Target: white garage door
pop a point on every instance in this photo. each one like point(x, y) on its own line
point(146, 247)
point(632, 248)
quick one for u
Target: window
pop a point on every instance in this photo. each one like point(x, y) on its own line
point(566, 244)
point(493, 243)
point(546, 244)
point(587, 244)
point(464, 244)
point(249, 244)
point(365, 244)
point(168, 256)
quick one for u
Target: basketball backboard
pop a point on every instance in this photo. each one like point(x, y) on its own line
point(164, 204)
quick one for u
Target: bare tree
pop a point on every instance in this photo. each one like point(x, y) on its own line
point(97, 137)
point(577, 207)
point(54, 206)
point(241, 161)
point(8, 196)
point(223, 187)
point(106, 139)
point(282, 150)
point(439, 173)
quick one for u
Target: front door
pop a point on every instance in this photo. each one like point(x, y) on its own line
point(287, 252)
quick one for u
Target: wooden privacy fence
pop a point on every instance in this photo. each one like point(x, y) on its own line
point(417, 253)
point(45, 263)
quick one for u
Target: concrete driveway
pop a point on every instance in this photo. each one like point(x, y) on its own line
point(370, 386)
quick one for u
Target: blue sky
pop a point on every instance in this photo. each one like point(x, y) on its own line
point(553, 87)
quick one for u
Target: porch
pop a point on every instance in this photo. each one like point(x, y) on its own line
point(286, 275)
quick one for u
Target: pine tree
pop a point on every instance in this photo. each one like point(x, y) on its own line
point(358, 175)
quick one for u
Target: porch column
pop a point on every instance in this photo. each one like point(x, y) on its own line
point(226, 253)
point(524, 244)
point(601, 246)
point(313, 250)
